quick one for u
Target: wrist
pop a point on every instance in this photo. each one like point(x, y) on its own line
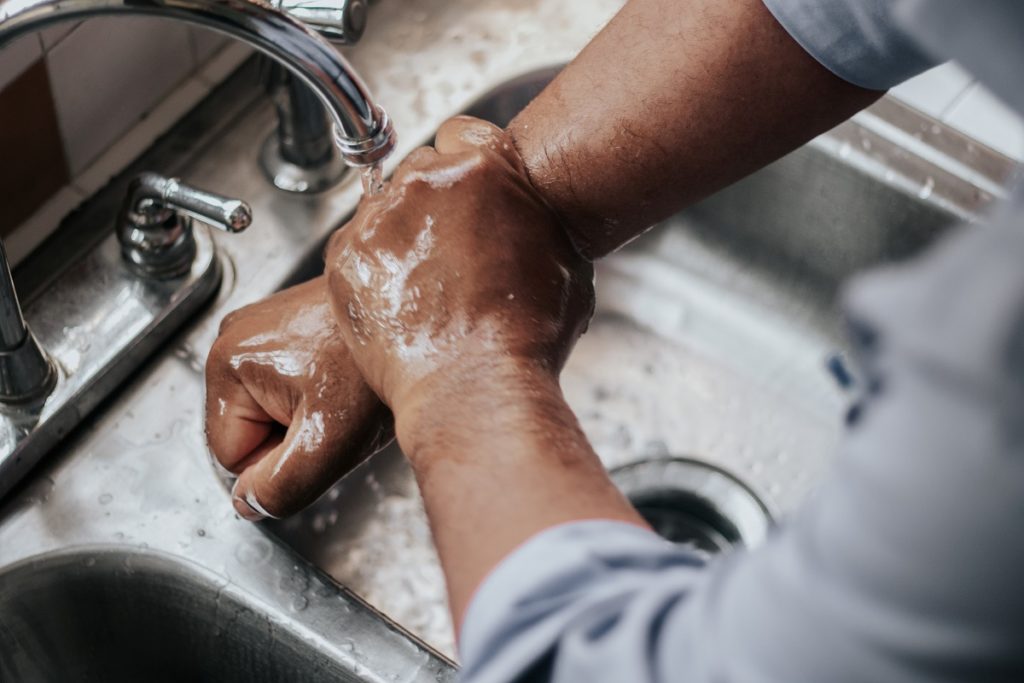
point(542, 170)
point(459, 408)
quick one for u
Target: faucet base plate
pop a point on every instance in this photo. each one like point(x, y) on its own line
point(299, 179)
point(98, 321)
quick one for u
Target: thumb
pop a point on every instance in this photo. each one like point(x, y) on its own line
point(467, 134)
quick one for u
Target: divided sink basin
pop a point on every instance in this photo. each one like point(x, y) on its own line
point(717, 338)
point(108, 614)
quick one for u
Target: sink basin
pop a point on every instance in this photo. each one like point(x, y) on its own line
point(716, 338)
point(112, 615)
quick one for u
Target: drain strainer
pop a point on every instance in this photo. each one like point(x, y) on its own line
point(694, 503)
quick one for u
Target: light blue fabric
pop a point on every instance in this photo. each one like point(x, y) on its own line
point(907, 566)
point(985, 36)
point(858, 40)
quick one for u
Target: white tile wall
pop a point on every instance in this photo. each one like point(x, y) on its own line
point(36, 227)
point(224, 63)
point(140, 136)
point(53, 35)
point(117, 83)
point(102, 84)
point(206, 43)
point(17, 57)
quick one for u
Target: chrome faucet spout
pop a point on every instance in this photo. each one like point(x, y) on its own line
point(363, 131)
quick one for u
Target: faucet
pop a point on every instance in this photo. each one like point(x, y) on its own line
point(299, 155)
point(39, 403)
point(362, 130)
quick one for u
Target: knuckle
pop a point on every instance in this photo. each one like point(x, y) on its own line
point(335, 243)
point(218, 353)
point(228, 321)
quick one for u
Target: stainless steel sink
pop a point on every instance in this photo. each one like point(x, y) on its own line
point(108, 615)
point(710, 343)
point(716, 337)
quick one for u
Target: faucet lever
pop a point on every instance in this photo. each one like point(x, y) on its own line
point(152, 196)
point(155, 224)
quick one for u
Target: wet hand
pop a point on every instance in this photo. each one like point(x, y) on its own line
point(456, 273)
point(286, 408)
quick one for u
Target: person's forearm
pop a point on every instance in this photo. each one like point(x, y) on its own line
point(500, 458)
point(673, 100)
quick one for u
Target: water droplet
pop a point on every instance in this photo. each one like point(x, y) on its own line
point(299, 603)
point(105, 498)
point(926, 189)
point(201, 532)
point(656, 448)
point(253, 552)
point(90, 561)
point(844, 150)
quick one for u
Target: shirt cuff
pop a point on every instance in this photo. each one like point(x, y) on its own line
point(519, 610)
point(857, 40)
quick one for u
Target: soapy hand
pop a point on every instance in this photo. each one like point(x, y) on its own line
point(286, 409)
point(457, 273)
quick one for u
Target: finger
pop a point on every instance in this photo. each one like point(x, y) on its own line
point(419, 159)
point(236, 424)
point(312, 456)
point(420, 156)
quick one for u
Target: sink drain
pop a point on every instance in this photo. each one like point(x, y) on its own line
point(693, 503)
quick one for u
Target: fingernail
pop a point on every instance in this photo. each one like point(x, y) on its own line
point(247, 507)
point(222, 472)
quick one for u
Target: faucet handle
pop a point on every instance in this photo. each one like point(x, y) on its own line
point(340, 21)
point(151, 197)
point(155, 227)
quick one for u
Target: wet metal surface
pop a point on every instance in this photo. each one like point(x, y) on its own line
point(96, 323)
point(713, 338)
point(710, 341)
point(135, 479)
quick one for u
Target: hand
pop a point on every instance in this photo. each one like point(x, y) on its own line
point(286, 408)
point(456, 273)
